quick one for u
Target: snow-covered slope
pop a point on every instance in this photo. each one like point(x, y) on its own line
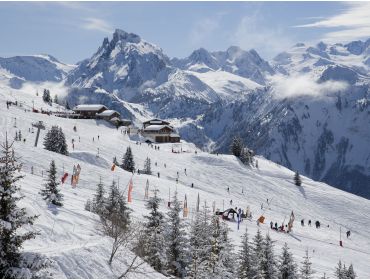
point(35, 68)
point(69, 235)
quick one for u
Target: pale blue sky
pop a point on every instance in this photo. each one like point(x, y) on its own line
point(72, 31)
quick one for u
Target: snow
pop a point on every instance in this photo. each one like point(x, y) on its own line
point(228, 85)
point(156, 127)
point(69, 235)
point(107, 113)
point(88, 107)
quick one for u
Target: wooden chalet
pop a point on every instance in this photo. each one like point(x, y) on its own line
point(108, 115)
point(89, 111)
point(155, 122)
point(160, 131)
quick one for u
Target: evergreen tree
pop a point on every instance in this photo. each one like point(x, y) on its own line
point(258, 254)
point(89, 205)
point(56, 99)
point(297, 179)
point(246, 156)
point(55, 141)
point(154, 253)
point(268, 262)
point(50, 193)
point(220, 263)
point(13, 264)
point(199, 244)
point(287, 266)
point(351, 273)
point(128, 163)
point(236, 146)
point(306, 269)
point(46, 96)
point(177, 242)
point(147, 166)
point(67, 106)
point(115, 161)
point(340, 272)
point(245, 267)
point(99, 199)
point(116, 209)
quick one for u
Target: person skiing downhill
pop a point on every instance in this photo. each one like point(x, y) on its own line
point(348, 233)
point(309, 222)
point(302, 222)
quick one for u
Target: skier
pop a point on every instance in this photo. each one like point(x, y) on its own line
point(192, 185)
point(302, 222)
point(228, 189)
point(177, 180)
point(185, 172)
point(98, 136)
point(271, 224)
point(309, 222)
point(317, 223)
point(158, 174)
point(231, 202)
point(276, 226)
point(165, 166)
point(348, 233)
point(74, 129)
point(93, 139)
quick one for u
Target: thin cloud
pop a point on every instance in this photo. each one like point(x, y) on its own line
point(304, 85)
point(203, 29)
point(354, 23)
point(252, 32)
point(97, 24)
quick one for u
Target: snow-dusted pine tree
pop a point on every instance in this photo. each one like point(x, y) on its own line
point(258, 254)
point(56, 99)
point(269, 260)
point(220, 263)
point(147, 166)
point(154, 249)
point(199, 244)
point(306, 268)
point(46, 96)
point(128, 163)
point(55, 141)
point(116, 209)
point(98, 205)
point(50, 192)
point(287, 266)
point(236, 146)
point(340, 272)
point(350, 273)
point(13, 264)
point(246, 268)
point(176, 241)
point(297, 179)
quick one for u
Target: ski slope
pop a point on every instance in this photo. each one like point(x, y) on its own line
point(69, 235)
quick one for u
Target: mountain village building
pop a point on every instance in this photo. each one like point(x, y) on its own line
point(89, 111)
point(160, 131)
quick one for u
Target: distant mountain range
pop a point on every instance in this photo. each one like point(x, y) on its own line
point(307, 109)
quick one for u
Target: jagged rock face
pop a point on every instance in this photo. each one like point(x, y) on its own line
point(122, 65)
point(234, 60)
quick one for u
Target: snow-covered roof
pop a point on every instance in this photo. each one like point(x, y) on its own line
point(107, 113)
point(115, 119)
point(156, 127)
point(156, 121)
point(174, 135)
point(88, 107)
